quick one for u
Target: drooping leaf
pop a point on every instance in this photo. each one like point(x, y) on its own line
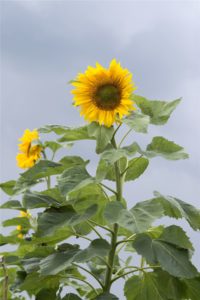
point(12, 204)
point(138, 219)
point(98, 247)
point(8, 187)
point(34, 282)
point(135, 169)
point(54, 218)
point(158, 111)
point(75, 134)
point(74, 178)
point(167, 149)
point(102, 134)
point(171, 259)
point(137, 121)
point(177, 208)
point(58, 129)
point(42, 169)
point(23, 221)
point(55, 263)
point(36, 200)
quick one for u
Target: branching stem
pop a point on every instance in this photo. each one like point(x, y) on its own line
point(86, 270)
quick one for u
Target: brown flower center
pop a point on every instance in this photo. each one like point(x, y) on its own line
point(107, 97)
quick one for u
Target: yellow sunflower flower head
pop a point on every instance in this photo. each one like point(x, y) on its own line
point(29, 151)
point(104, 94)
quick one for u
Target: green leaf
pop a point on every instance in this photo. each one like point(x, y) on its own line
point(158, 111)
point(138, 219)
point(58, 129)
point(53, 218)
point(8, 187)
point(73, 178)
point(137, 121)
point(136, 168)
point(97, 248)
point(107, 296)
point(34, 282)
point(49, 294)
point(36, 200)
point(12, 204)
point(54, 146)
point(173, 260)
point(42, 169)
point(176, 235)
point(24, 222)
point(75, 134)
point(170, 286)
point(102, 134)
point(112, 155)
point(55, 263)
point(176, 208)
point(143, 288)
point(192, 288)
point(167, 149)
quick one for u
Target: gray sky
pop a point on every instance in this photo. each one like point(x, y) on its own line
point(45, 43)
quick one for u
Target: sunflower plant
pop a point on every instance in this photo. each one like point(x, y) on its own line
point(75, 236)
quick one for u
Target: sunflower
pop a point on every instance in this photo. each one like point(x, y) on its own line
point(29, 152)
point(104, 94)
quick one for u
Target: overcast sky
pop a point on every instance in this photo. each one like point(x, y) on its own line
point(45, 43)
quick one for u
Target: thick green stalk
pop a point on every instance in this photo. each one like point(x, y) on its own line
point(111, 256)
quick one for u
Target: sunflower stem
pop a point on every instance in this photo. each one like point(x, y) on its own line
point(112, 253)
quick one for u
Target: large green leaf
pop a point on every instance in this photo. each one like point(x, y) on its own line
point(36, 200)
point(75, 134)
point(143, 288)
point(8, 187)
point(137, 121)
point(192, 288)
point(112, 155)
point(138, 219)
point(23, 221)
point(135, 169)
point(176, 208)
point(34, 282)
point(102, 134)
point(176, 235)
point(55, 263)
point(158, 111)
point(53, 218)
point(171, 259)
point(12, 204)
point(74, 178)
point(49, 294)
point(167, 149)
point(59, 261)
point(97, 248)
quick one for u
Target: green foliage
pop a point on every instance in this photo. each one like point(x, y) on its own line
point(66, 205)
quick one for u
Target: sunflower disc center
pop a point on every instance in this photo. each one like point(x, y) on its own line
point(107, 97)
